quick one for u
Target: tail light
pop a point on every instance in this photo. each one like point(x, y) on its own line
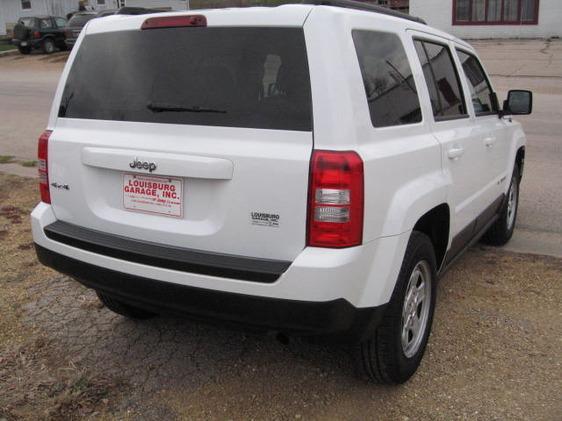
point(174, 21)
point(43, 158)
point(37, 35)
point(335, 202)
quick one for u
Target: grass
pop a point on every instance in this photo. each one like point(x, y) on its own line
point(6, 47)
point(9, 159)
point(31, 163)
point(6, 159)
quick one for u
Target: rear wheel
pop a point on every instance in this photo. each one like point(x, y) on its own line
point(122, 308)
point(24, 50)
point(394, 351)
point(502, 230)
point(48, 46)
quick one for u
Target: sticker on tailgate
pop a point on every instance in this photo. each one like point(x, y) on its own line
point(156, 195)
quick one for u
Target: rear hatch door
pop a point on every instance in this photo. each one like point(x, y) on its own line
point(189, 137)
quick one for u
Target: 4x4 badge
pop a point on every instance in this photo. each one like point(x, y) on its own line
point(60, 186)
point(143, 165)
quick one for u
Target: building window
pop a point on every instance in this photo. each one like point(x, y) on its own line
point(101, 2)
point(495, 12)
point(25, 4)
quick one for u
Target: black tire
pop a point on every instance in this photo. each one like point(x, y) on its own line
point(124, 309)
point(502, 230)
point(48, 46)
point(383, 357)
point(24, 50)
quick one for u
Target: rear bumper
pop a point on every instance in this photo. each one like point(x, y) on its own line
point(167, 257)
point(27, 43)
point(336, 319)
point(363, 277)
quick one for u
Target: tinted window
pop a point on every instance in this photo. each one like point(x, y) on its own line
point(387, 77)
point(480, 89)
point(61, 23)
point(238, 77)
point(442, 80)
point(80, 20)
point(45, 23)
point(27, 22)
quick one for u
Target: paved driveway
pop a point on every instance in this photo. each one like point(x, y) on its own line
point(535, 65)
point(27, 85)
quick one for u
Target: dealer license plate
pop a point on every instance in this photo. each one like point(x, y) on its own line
point(155, 195)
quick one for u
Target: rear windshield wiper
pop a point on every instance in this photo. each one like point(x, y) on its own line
point(159, 108)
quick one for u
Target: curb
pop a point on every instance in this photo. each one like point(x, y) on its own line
point(9, 53)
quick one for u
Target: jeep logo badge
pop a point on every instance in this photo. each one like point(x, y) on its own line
point(143, 165)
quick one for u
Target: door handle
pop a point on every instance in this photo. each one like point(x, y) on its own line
point(489, 141)
point(455, 152)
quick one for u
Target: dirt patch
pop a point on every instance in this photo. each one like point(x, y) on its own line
point(38, 379)
point(12, 214)
point(494, 352)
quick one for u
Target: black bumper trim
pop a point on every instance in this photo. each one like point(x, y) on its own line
point(176, 258)
point(336, 319)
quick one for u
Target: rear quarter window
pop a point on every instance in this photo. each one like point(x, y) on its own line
point(233, 77)
point(45, 23)
point(387, 77)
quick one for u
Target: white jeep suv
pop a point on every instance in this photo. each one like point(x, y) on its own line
point(305, 169)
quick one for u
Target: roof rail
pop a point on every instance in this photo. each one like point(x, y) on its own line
point(350, 4)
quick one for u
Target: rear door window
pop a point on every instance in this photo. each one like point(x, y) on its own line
point(222, 76)
point(445, 91)
point(480, 89)
point(387, 78)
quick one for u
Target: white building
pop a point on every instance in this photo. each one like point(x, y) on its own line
point(12, 10)
point(492, 18)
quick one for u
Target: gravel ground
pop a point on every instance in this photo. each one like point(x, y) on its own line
point(495, 351)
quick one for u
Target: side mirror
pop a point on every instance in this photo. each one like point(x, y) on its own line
point(518, 102)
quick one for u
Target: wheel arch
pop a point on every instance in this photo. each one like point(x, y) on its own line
point(436, 224)
point(520, 160)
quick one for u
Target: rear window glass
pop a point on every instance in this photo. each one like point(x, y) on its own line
point(27, 22)
point(80, 20)
point(234, 77)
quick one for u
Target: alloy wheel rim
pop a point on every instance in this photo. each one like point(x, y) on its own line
point(415, 310)
point(512, 204)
